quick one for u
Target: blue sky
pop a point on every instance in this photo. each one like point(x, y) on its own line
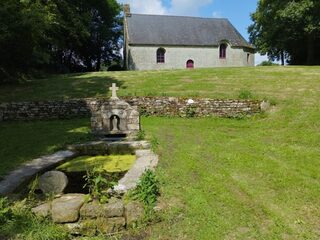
point(237, 11)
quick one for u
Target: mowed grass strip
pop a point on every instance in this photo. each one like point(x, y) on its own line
point(253, 178)
point(213, 83)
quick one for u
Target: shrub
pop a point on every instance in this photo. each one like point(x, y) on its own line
point(147, 190)
point(190, 111)
point(115, 67)
point(6, 213)
point(268, 63)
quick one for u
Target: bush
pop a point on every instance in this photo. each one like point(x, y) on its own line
point(147, 190)
point(6, 213)
point(115, 67)
point(191, 111)
point(268, 63)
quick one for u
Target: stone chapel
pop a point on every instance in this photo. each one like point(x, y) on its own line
point(173, 42)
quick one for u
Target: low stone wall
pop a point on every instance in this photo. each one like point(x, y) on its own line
point(155, 106)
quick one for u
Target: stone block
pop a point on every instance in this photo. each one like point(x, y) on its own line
point(110, 225)
point(42, 210)
point(114, 208)
point(134, 212)
point(66, 208)
point(91, 210)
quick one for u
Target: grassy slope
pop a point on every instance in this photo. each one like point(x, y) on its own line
point(225, 179)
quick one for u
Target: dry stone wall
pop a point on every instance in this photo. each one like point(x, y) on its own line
point(152, 106)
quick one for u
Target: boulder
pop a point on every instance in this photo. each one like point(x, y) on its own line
point(66, 208)
point(42, 210)
point(114, 208)
point(53, 182)
point(134, 211)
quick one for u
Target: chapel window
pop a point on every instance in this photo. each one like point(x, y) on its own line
point(223, 51)
point(161, 55)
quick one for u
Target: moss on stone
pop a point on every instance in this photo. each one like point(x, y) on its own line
point(108, 163)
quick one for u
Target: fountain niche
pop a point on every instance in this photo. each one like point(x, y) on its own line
point(115, 118)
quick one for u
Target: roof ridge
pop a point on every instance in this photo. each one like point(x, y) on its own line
point(165, 15)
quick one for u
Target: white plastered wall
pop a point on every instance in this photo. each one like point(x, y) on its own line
point(144, 57)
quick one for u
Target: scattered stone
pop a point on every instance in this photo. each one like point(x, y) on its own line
point(74, 228)
point(88, 227)
point(53, 182)
point(42, 210)
point(134, 212)
point(114, 208)
point(66, 209)
point(264, 106)
point(111, 225)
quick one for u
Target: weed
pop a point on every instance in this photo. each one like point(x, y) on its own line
point(98, 185)
point(20, 223)
point(147, 190)
point(6, 213)
point(144, 112)
point(141, 135)
point(154, 143)
point(190, 111)
point(32, 188)
point(245, 94)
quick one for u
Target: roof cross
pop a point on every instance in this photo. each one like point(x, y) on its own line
point(114, 90)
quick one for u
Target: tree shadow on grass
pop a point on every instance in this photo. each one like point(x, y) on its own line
point(21, 142)
point(58, 87)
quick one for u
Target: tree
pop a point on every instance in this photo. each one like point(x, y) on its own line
point(22, 27)
point(287, 29)
point(87, 34)
point(57, 36)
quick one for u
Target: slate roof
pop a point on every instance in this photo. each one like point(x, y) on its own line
point(183, 31)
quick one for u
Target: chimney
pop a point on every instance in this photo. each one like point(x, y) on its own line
point(126, 10)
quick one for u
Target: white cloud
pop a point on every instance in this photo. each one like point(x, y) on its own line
point(177, 7)
point(217, 14)
point(146, 7)
point(258, 58)
point(188, 7)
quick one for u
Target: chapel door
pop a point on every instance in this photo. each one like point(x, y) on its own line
point(190, 64)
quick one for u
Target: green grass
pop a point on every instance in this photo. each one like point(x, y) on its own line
point(108, 163)
point(214, 83)
point(253, 178)
point(21, 142)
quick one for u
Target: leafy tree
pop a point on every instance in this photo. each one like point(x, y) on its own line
point(57, 36)
point(287, 29)
point(22, 29)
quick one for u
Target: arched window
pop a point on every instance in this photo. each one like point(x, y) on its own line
point(190, 64)
point(161, 55)
point(223, 51)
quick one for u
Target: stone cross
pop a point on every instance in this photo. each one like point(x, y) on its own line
point(114, 89)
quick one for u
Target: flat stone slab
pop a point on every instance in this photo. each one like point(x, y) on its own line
point(24, 173)
point(146, 159)
point(107, 147)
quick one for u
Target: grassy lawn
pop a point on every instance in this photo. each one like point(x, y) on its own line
point(255, 178)
point(214, 83)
